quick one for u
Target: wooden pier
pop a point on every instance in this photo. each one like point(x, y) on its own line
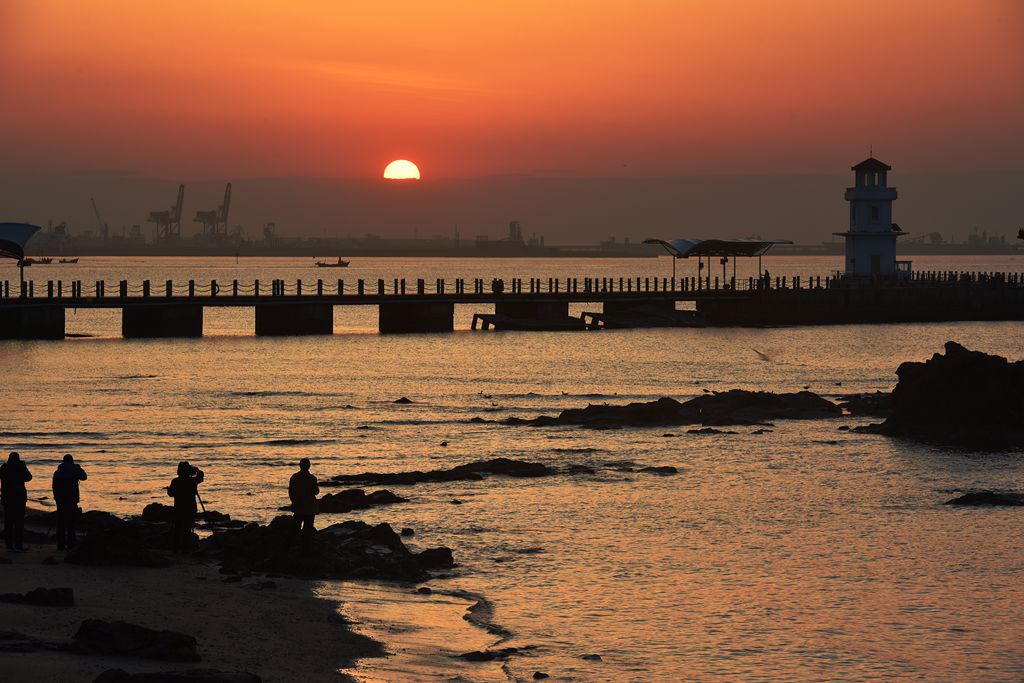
point(35, 310)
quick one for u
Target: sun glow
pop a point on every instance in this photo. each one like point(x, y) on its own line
point(401, 169)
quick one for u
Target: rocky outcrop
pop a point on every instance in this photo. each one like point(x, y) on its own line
point(878, 404)
point(1011, 498)
point(473, 471)
point(121, 639)
point(188, 676)
point(46, 597)
point(164, 514)
point(350, 550)
point(967, 399)
point(354, 499)
point(43, 597)
point(661, 470)
point(734, 407)
point(436, 558)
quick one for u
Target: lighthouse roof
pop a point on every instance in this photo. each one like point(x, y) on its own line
point(871, 164)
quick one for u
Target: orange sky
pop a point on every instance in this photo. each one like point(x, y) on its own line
point(235, 88)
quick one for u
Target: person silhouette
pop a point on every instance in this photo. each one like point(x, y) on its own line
point(66, 496)
point(13, 476)
point(303, 490)
point(184, 488)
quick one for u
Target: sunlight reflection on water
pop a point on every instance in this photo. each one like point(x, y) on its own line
point(804, 553)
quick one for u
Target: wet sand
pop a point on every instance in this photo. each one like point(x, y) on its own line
point(287, 633)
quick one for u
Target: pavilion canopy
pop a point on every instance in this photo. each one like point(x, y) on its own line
point(685, 248)
point(14, 237)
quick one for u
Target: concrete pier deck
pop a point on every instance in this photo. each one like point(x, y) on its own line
point(35, 310)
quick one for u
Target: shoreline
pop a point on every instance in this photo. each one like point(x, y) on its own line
point(289, 631)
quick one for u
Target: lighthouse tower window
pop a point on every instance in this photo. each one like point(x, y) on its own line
point(874, 214)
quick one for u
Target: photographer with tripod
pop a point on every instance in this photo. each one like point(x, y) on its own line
point(185, 490)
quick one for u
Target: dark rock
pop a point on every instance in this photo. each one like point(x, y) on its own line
point(51, 597)
point(455, 501)
point(540, 675)
point(725, 408)
point(403, 401)
point(188, 676)
point(488, 655)
point(354, 499)
point(963, 398)
point(436, 558)
point(988, 498)
point(579, 469)
point(592, 658)
point(620, 463)
point(709, 430)
point(472, 471)
point(878, 404)
point(406, 531)
point(844, 428)
point(350, 550)
point(91, 520)
point(662, 470)
point(43, 597)
point(164, 514)
point(757, 432)
point(119, 638)
point(668, 434)
point(424, 590)
point(122, 545)
point(444, 443)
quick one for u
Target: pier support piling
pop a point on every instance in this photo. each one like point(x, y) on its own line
point(404, 317)
point(161, 320)
point(276, 320)
point(32, 322)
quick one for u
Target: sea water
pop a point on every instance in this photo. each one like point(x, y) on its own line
point(804, 553)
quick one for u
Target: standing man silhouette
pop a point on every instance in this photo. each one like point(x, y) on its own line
point(303, 490)
point(66, 496)
point(184, 488)
point(13, 476)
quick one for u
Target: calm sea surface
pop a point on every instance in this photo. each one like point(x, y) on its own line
point(806, 553)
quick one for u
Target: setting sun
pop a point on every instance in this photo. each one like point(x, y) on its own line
point(401, 169)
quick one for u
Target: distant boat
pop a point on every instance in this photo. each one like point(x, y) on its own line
point(68, 260)
point(43, 261)
point(328, 264)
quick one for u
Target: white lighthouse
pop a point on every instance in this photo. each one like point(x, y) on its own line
point(871, 240)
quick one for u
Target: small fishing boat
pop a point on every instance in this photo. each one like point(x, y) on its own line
point(42, 261)
point(329, 264)
point(68, 260)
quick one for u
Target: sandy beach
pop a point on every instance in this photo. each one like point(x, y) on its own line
point(283, 633)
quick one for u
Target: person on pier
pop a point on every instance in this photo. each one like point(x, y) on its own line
point(14, 475)
point(66, 496)
point(185, 489)
point(303, 490)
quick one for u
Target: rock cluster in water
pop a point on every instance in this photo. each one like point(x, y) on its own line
point(963, 398)
point(353, 499)
point(473, 471)
point(350, 550)
point(975, 498)
point(734, 407)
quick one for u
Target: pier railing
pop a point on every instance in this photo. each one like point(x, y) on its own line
point(403, 287)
